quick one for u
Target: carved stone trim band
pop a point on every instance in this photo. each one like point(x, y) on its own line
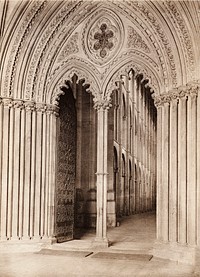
point(29, 105)
point(191, 89)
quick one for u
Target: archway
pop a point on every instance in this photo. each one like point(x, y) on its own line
point(76, 161)
point(135, 142)
point(163, 49)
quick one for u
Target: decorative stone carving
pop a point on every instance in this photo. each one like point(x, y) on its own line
point(23, 32)
point(7, 102)
point(103, 40)
point(29, 106)
point(70, 48)
point(102, 36)
point(103, 104)
point(19, 104)
point(40, 107)
point(56, 33)
point(184, 36)
point(43, 46)
point(139, 5)
point(190, 89)
point(136, 41)
point(53, 109)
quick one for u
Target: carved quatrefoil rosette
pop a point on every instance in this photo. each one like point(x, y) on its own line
point(102, 37)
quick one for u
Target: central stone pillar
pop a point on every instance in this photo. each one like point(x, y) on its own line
point(101, 239)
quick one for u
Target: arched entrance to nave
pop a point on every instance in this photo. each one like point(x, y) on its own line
point(135, 118)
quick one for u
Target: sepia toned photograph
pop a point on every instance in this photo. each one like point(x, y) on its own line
point(99, 138)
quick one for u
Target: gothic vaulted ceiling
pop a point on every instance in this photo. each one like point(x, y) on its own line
point(44, 43)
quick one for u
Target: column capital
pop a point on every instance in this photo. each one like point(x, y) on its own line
point(52, 109)
point(7, 102)
point(191, 89)
point(19, 104)
point(29, 105)
point(102, 104)
point(40, 107)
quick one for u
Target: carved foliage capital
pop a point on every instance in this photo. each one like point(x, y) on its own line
point(18, 104)
point(189, 90)
point(40, 107)
point(102, 104)
point(52, 109)
point(7, 102)
point(29, 106)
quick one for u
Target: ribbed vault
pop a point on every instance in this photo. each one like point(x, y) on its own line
point(46, 42)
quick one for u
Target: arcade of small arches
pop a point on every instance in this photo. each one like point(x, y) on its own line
point(100, 119)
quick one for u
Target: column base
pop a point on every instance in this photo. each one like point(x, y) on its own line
point(53, 240)
point(197, 261)
point(176, 252)
point(24, 245)
point(100, 243)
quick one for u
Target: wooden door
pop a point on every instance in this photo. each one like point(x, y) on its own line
point(66, 168)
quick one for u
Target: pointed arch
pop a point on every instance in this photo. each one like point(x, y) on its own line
point(84, 71)
point(140, 67)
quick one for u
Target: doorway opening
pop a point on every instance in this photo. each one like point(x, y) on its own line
point(76, 162)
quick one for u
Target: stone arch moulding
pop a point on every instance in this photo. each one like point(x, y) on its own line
point(124, 67)
point(84, 71)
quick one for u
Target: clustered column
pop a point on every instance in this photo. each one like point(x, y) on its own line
point(102, 172)
point(178, 165)
point(27, 169)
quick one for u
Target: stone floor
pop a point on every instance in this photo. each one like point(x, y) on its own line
point(135, 235)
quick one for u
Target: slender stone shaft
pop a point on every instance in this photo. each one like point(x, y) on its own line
point(182, 192)
point(22, 173)
point(173, 164)
point(4, 187)
point(159, 171)
point(191, 169)
point(101, 227)
point(10, 174)
point(16, 170)
point(165, 172)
